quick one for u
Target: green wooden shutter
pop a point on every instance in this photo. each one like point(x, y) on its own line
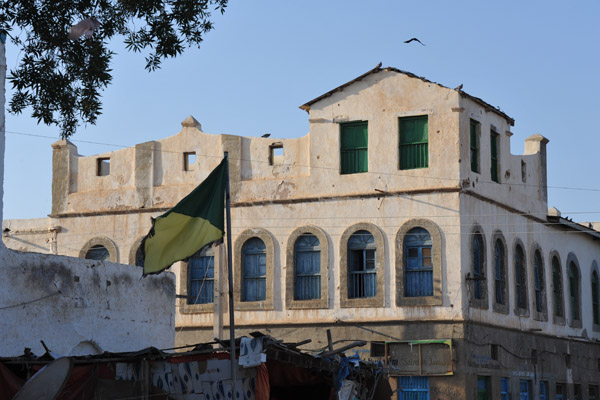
point(474, 145)
point(414, 142)
point(494, 155)
point(354, 142)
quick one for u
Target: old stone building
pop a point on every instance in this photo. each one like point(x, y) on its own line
point(401, 218)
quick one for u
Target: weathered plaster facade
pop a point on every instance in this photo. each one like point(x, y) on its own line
point(278, 197)
point(81, 307)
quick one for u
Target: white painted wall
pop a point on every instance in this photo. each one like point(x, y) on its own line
point(81, 306)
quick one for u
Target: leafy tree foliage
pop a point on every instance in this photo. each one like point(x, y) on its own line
point(61, 79)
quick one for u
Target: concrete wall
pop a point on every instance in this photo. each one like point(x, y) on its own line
point(81, 306)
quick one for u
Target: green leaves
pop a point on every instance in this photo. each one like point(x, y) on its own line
point(61, 79)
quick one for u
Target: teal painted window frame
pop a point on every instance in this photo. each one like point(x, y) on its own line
point(474, 130)
point(494, 168)
point(354, 147)
point(413, 142)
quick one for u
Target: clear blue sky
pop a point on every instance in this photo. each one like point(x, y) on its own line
point(537, 60)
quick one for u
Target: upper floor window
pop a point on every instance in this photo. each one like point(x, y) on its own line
point(595, 298)
point(574, 291)
point(475, 131)
point(520, 278)
point(201, 277)
point(354, 141)
point(557, 288)
point(414, 142)
point(538, 280)
point(478, 258)
point(499, 272)
point(254, 270)
point(494, 168)
point(98, 253)
point(307, 274)
point(362, 273)
point(103, 166)
point(418, 274)
point(189, 160)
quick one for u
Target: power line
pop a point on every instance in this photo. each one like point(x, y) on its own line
point(396, 174)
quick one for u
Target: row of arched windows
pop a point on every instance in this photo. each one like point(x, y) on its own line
point(361, 257)
point(538, 281)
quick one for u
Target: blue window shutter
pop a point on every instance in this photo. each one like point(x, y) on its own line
point(254, 270)
point(499, 272)
point(201, 276)
point(307, 278)
point(413, 388)
point(504, 389)
point(362, 268)
point(418, 274)
point(477, 247)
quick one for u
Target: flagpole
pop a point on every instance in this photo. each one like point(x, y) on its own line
point(230, 276)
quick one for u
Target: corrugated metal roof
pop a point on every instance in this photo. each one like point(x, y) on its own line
point(378, 68)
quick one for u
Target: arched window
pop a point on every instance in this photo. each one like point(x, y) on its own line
point(362, 272)
point(98, 253)
point(520, 278)
point(139, 257)
point(557, 289)
point(478, 265)
point(595, 298)
point(254, 270)
point(307, 278)
point(538, 277)
point(201, 277)
point(574, 291)
point(499, 272)
point(418, 263)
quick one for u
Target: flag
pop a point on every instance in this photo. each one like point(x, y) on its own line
point(196, 221)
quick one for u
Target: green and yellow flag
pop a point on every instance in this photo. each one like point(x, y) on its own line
point(193, 223)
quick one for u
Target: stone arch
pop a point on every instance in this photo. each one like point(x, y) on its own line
point(478, 281)
point(534, 252)
point(378, 299)
point(104, 242)
point(520, 275)
point(269, 242)
point(133, 251)
point(436, 237)
point(557, 285)
point(574, 290)
point(501, 303)
point(291, 268)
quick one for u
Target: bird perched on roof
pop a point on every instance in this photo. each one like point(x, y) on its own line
point(459, 87)
point(266, 135)
point(414, 40)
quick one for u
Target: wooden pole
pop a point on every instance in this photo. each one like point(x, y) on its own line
point(230, 276)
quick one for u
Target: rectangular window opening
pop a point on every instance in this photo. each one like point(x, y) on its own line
point(494, 351)
point(523, 171)
point(475, 133)
point(483, 387)
point(495, 168)
point(189, 161)
point(377, 349)
point(354, 147)
point(103, 166)
point(413, 142)
point(276, 154)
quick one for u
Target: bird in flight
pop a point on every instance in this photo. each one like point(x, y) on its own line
point(414, 40)
point(266, 135)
